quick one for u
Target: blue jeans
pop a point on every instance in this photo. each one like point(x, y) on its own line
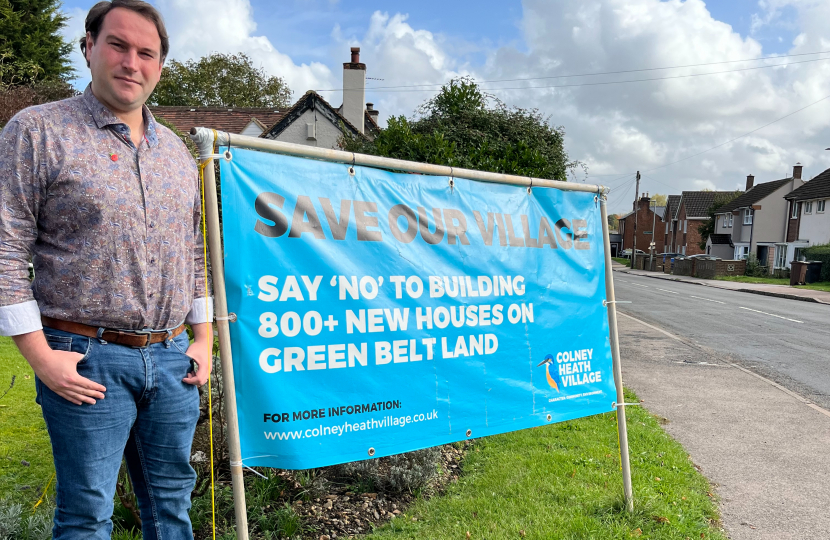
point(148, 416)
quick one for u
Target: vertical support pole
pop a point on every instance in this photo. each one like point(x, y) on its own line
point(653, 235)
point(615, 356)
point(221, 306)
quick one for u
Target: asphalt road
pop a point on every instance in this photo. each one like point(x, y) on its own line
point(784, 340)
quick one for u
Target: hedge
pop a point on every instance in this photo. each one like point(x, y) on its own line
point(820, 253)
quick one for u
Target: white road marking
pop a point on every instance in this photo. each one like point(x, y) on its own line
point(637, 284)
point(771, 314)
point(707, 299)
point(665, 290)
point(802, 399)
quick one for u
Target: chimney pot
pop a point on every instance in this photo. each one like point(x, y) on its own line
point(797, 171)
point(750, 181)
point(355, 55)
point(370, 107)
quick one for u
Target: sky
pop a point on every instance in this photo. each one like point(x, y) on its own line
point(683, 132)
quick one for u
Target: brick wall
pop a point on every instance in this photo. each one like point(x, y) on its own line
point(684, 267)
point(712, 269)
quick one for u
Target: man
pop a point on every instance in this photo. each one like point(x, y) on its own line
point(106, 203)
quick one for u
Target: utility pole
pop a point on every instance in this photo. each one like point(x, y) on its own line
point(636, 215)
point(653, 244)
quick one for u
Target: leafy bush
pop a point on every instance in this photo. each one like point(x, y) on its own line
point(820, 253)
point(754, 268)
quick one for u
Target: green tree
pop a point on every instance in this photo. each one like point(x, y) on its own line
point(708, 226)
point(219, 80)
point(659, 199)
point(613, 222)
point(463, 127)
point(31, 46)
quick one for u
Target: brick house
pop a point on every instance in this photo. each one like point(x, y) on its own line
point(647, 217)
point(692, 212)
point(670, 223)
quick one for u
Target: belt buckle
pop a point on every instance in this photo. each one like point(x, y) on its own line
point(148, 333)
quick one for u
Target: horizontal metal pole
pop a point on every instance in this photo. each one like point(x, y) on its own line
point(378, 162)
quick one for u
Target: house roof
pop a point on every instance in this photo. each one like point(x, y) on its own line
point(313, 100)
point(660, 211)
point(697, 203)
point(817, 188)
point(232, 120)
point(672, 204)
point(721, 239)
point(753, 195)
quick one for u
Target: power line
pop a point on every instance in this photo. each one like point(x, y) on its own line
point(727, 142)
point(605, 83)
point(740, 136)
point(598, 73)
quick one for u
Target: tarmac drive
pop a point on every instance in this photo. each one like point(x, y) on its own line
point(765, 449)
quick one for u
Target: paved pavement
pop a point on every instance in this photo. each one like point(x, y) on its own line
point(763, 447)
point(781, 291)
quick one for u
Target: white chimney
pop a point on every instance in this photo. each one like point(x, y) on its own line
point(354, 90)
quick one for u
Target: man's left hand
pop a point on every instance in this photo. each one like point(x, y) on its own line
point(201, 351)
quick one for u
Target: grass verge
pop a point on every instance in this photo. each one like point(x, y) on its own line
point(620, 260)
point(821, 286)
point(564, 481)
point(25, 452)
point(749, 279)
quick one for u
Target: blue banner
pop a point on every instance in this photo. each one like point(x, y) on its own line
point(380, 312)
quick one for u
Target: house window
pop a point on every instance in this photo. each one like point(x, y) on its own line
point(748, 216)
point(799, 254)
point(780, 256)
point(667, 227)
point(820, 206)
point(685, 225)
point(730, 220)
point(794, 210)
point(808, 207)
point(683, 250)
point(743, 252)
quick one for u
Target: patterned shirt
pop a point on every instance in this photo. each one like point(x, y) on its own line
point(113, 231)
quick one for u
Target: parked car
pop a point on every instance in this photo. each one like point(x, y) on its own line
point(705, 257)
point(626, 253)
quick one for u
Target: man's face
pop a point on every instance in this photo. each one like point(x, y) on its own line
point(125, 60)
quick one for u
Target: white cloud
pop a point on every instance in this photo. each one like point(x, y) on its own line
point(200, 27)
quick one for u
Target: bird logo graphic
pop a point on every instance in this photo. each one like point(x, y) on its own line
point(553, 378)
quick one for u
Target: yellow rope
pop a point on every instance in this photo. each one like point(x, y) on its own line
point(202, 168)
point(49, 483)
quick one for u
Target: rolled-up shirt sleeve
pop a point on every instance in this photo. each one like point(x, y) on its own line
point(20, 197)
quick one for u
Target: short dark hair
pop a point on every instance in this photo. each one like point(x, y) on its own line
point(96, 15)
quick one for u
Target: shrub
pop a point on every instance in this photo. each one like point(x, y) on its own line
point(754, 268)
point(820, 253)
point(403, 472)
point(15, 524)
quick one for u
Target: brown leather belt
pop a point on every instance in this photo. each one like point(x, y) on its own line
point(136, 339)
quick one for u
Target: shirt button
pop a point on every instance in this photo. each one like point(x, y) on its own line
point(152, 261)
point(152, 224)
